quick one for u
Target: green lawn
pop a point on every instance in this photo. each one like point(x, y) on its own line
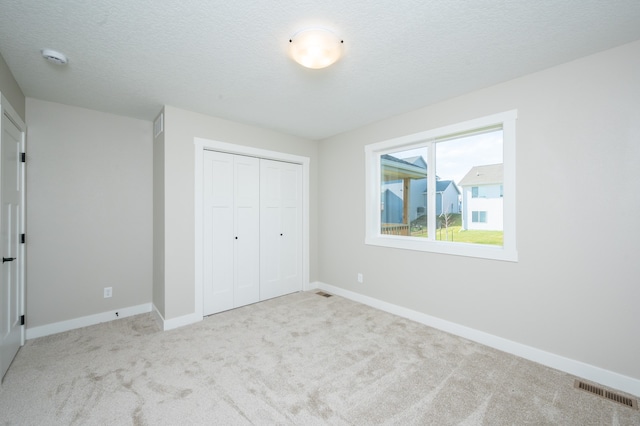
point(455, 233)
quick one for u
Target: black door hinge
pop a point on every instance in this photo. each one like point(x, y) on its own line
point(23, 237)
point(22, 320)
point(23, 157)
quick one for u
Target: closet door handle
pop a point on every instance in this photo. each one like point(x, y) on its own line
point(8, 259)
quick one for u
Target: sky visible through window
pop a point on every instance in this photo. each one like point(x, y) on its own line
point(454, 158)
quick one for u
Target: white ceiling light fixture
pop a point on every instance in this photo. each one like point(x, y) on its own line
point(54, 56)
point(315, 47)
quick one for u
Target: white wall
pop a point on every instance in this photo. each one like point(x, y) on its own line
point(89, 212)
point(10, 89)
point(181, 127)
point(158, 220)
point(574, 291)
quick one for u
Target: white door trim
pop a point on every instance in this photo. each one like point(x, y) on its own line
point(20, 124)
point(12, 115)
point(206, 144)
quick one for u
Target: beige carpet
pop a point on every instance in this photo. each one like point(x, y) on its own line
point(300, 359)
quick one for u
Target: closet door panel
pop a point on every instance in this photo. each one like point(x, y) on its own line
point(247, 230)
point(291, 224)
point(218, 273)
point(289, 244)
point(281, 228)
point(270, 238)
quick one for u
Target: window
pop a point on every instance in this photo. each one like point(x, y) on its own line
point(479, 216)
point(448, 190)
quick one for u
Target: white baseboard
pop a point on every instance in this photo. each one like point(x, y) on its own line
point(59, 327)
point(172, 323)
point(157, 316)
point(311, 286)
point(571, 366)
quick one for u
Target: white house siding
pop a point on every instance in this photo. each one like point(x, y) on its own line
point(489, 201)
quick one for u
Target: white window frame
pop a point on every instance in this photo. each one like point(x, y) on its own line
point(373, 152)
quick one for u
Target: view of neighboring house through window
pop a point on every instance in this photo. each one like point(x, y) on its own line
point(403, 192)
point(467, 186)
point(475, 163)
point(439, 187)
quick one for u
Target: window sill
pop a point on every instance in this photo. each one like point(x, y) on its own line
point(443, 247)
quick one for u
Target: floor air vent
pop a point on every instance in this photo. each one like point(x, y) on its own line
point(323, 294)
point(616, 397)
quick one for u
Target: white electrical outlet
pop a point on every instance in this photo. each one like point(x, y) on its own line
point(108, 291)
point(360, 278)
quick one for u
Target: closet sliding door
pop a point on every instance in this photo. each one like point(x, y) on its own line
point(280, 228)
point(231, 222)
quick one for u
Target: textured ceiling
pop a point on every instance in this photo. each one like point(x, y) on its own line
point(229, 58)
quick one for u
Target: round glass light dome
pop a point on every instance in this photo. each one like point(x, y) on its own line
point(315, 47)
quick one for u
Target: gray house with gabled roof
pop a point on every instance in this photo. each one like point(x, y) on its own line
point(392, 194)
point(399, 177)
point(447, 197)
